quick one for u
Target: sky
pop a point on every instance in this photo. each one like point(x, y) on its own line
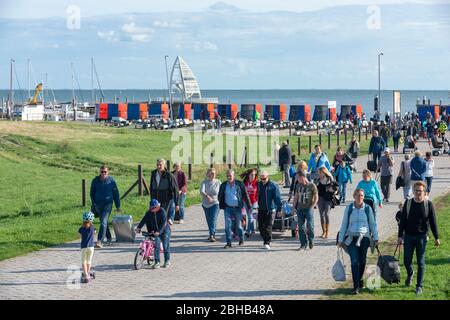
point(234, 44)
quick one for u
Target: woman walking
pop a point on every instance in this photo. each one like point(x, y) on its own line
point(405, 173)
point(358, 229)
point(353, 151)
point(371, 191)
point(180, 178)
point(386, 164)
point(429, 161)
point(209, 191)
point(324, 204)
point(250, 179)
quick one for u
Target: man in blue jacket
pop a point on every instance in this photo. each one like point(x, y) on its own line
point(377, 145)
point(103, 192)
point(269, 200)
point(155, 221)
point(232, 198)
point(418, 167)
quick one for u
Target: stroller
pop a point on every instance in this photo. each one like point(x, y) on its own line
point(409, 144)
point(438, 146)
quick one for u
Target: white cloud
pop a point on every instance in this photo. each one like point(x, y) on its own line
point(167, 24)
point(110, 36)
point(132, 28)
point(140, 37)
point(197, 46)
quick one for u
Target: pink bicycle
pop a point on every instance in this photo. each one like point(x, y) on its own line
point(146, 251)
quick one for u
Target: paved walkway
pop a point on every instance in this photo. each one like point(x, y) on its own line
point(200, 270)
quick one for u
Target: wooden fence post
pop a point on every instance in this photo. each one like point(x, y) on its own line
point(211, 160)
point(337, 138)
point(83, 192)
point(329, 140)
point(310, 142)
point(298, 145)
point(140, 190)
point(229, 159)
point(190, 168)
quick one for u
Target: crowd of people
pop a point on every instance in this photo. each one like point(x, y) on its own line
point(317, 183)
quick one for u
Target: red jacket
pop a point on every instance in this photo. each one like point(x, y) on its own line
point(252, 190)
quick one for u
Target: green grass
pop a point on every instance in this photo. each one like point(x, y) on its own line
point(42, 165)
point(437, 281)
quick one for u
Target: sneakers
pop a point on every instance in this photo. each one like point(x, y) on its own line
point(212, 239)
point(419, 290)
point(170, 221)
point(408, 281)
point(311, 245)
point(247, 235)
point(302, 247)
point(156, 265)
point(241, 242)
point(267, 247)
point(227, 246)
point(98, 244)
point(355, 291)
point(166, 264)
point(181, 221)
point(108, 241)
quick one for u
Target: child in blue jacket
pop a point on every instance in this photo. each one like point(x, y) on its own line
point(343, 175)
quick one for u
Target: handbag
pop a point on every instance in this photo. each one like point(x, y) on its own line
point(400, 182)
point(338, 269)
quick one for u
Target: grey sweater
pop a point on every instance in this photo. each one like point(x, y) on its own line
point(211, 188)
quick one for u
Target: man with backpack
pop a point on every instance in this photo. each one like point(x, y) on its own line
point(417, 216)
point(377, 145)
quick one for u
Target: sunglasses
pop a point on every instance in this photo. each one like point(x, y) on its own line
point(103, 171)
point(263, 178)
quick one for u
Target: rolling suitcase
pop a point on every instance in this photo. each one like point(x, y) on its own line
point(123, 228)
point(371, 164)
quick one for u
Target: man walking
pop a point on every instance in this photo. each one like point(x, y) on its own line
point(377, 145)
point(103, 192)
point(285, 159)
point(164, 188)
point(418, 167)
point(305, 199)
point(417, 216)
point(317, 159)
point(269, 200)
point(386, 166)
point(232, 199)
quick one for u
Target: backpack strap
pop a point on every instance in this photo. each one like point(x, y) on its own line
point(425, 204)
point(408, 207)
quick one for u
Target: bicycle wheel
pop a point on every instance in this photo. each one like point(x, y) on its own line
point(139, 259)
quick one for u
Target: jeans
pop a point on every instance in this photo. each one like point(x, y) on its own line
point(376, 156)
point(407, 190)
point(104, 212)
point(386, 186)
point(342, 190)
point(172, 210)
point(287, 177)
point(396, 144)
point(237, 214)
point(418, 243)
point(165, 238)
point(429, 181)
point(358, 256)
point(265, 225)
point(305, 215)
point(181, 202)
point(211, 218)
point(324, 210)
point(250, 221)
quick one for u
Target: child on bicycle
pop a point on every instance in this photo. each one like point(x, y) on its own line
point(87, 231)
point(156, 223)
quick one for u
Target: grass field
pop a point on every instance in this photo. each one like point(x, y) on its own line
point(42, 164)
point(437, 271)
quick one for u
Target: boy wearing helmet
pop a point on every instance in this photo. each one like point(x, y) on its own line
point(155, 220)
point(87, 231)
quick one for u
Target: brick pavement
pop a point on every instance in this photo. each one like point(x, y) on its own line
point(200, 269)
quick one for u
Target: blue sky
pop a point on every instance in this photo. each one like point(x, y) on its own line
point(233, 44)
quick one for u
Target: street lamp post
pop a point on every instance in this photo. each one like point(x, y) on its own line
point(168, 88)
point(379, 84)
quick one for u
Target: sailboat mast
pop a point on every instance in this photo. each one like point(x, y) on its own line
point(29, 82)
point(73, 83)
point(92, 78)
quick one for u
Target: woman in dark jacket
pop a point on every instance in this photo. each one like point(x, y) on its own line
point(325, 196)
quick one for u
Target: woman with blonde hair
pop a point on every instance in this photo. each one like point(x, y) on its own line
point(372, 193)
point(325, 197)
point(209, 191)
